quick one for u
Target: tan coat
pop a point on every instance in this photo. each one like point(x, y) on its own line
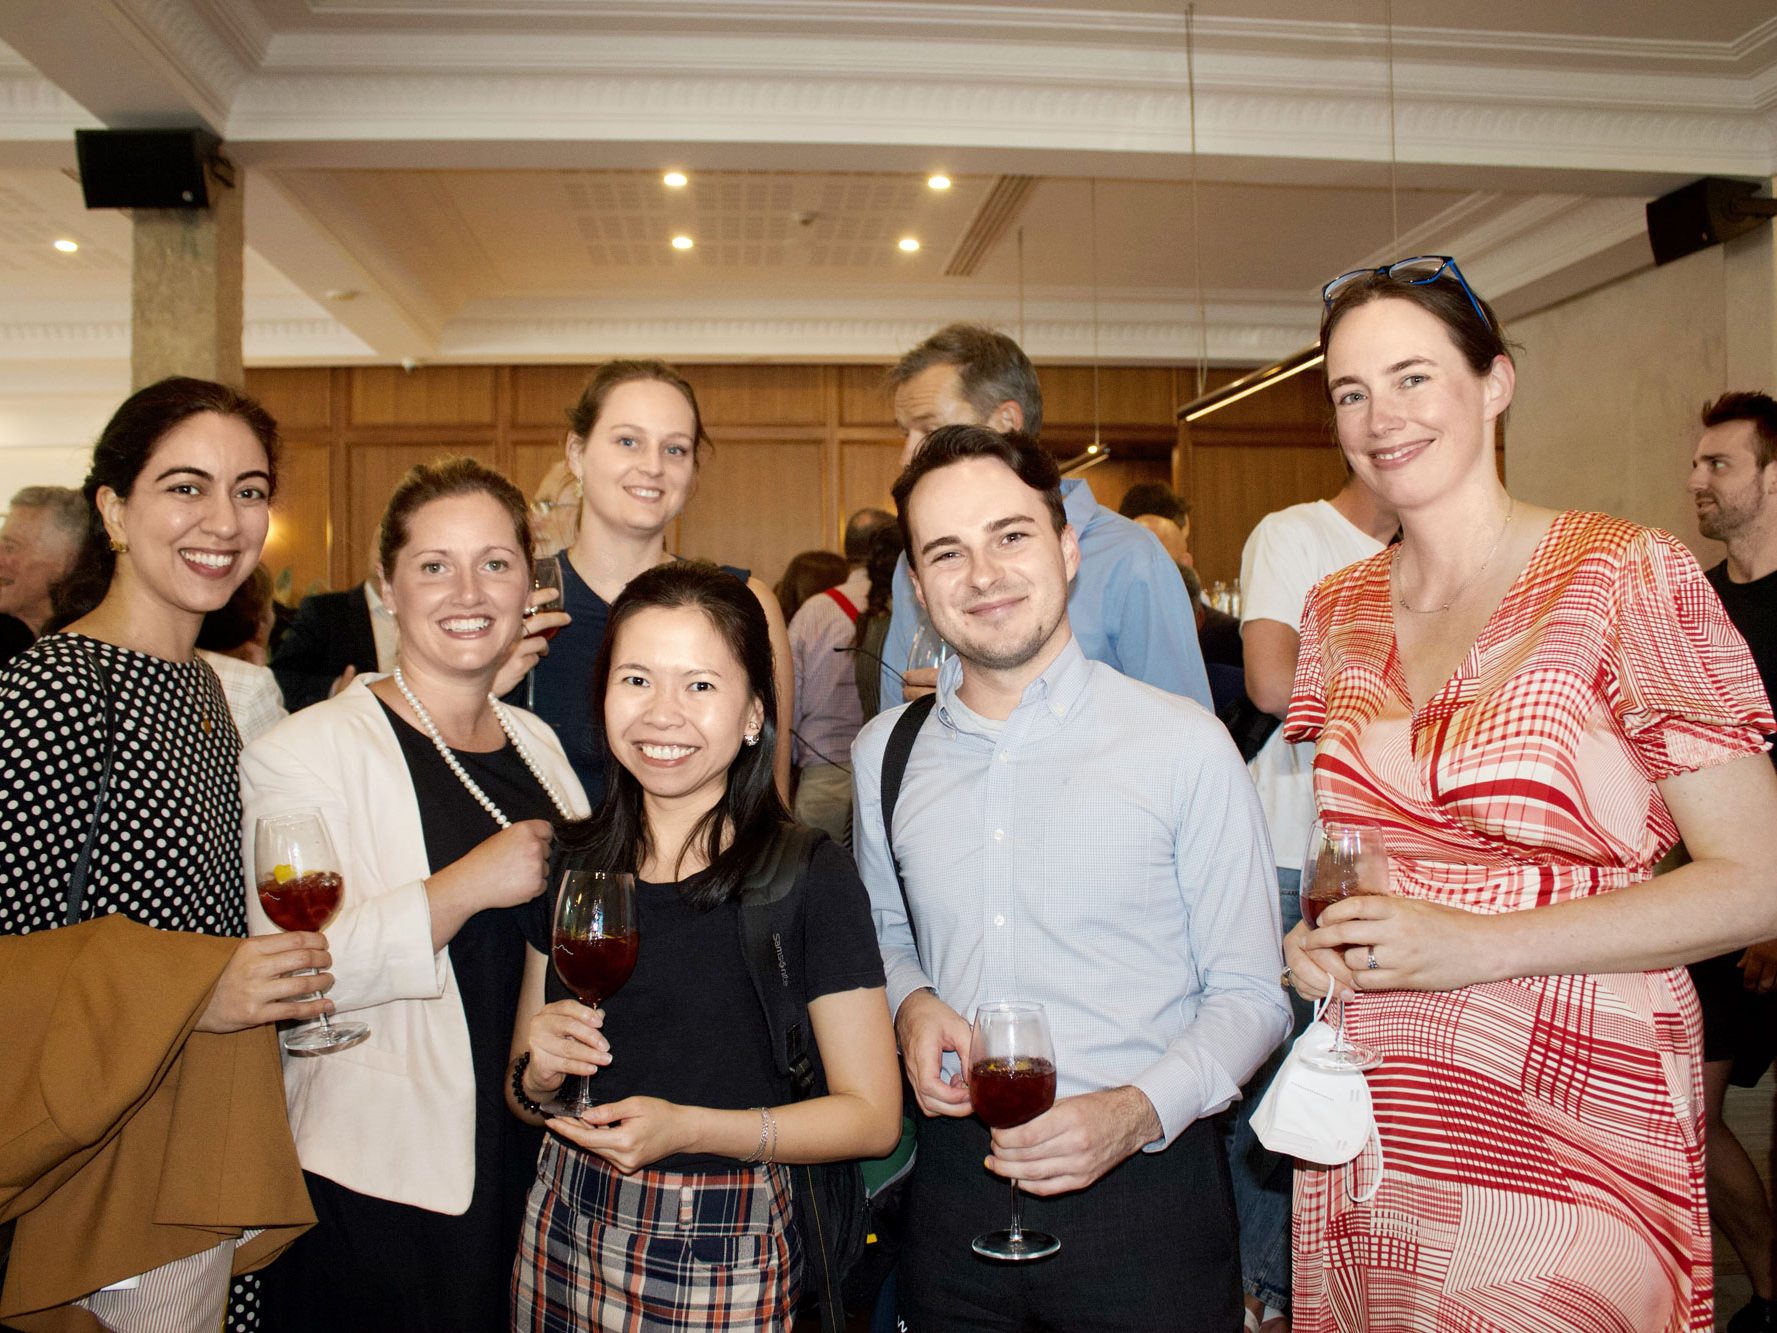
point(127, 1138)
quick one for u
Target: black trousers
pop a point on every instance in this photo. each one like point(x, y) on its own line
point(372, 1266)
point(1151, 1247)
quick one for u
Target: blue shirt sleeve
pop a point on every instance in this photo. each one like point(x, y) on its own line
point(903, 623)
point(1154, 628)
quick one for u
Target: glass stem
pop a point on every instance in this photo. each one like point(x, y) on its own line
point(1016, 1234)
point(326, 1022)
point(1339, 1042)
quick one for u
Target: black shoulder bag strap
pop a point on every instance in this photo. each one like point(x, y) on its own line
point(786, 1017)
point(894, 767)
point(83, 863)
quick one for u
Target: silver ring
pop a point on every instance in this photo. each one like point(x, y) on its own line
point(1373, 964)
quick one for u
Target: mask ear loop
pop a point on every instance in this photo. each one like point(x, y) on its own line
point(1370, 1193)
point(1320, 1005)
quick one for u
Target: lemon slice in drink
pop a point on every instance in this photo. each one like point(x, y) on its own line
point(283, 874)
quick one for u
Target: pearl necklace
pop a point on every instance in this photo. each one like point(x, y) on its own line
point(1401, 601)
point(451, 761)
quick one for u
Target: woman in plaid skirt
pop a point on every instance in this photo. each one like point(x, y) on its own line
point(667, 1206)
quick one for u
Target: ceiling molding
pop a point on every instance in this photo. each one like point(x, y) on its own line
point(188, 46)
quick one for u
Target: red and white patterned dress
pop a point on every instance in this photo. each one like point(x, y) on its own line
point(1543, 1136)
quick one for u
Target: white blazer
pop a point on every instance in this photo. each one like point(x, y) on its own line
point(393, 1117)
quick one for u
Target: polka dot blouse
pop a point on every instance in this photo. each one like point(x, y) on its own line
point(168, 848)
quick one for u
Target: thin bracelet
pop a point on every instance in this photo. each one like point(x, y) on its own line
point(771, 1154)
point(758, 1154)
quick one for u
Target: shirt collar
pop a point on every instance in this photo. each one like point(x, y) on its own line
point(1057, 690)
point(1077, 502)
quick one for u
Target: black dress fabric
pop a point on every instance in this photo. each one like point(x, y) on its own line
point(1739, 1025)
point(15, 637)
point(687, 1026)
point(562, 691)
point(374, 1264)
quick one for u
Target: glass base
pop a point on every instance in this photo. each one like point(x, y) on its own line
point(1349, 1060)
point(317, 1039)
point(1015, 1249)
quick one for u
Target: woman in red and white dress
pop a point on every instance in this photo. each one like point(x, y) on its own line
point(1534, 706)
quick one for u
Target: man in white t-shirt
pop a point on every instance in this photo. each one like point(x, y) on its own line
point(1287, 554)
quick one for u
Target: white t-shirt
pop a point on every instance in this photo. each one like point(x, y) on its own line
point(1287, 554)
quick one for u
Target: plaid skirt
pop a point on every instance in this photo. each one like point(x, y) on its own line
point(656, 1250)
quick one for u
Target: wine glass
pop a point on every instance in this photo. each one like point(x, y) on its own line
point(545, 574)
point(928, 649)
point(593, 943)
point(299, 887)
point(1012, 1080)
point(1342, 860)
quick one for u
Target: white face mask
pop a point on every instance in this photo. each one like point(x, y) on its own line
point(1318, 1115)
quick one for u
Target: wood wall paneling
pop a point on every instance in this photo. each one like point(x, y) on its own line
point(297, 544)
point(757, 504)
point(542, 395)
point(798, 449)
point(452, 396)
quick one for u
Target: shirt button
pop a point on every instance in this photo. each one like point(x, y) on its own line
point(999, 835)
point(999, 921)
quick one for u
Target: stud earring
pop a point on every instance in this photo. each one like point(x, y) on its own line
point(751, 738)
point(119, 547)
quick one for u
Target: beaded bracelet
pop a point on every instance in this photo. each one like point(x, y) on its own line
point(518, 1093)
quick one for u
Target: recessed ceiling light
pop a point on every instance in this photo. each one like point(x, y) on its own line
point(909, 244)
point(674, 179)
point(67, 247)
point(341, 293)
point(683, 242)
point(938, 182)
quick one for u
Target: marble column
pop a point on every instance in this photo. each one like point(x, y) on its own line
point(185, 289)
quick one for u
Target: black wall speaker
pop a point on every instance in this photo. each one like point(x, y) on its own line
point(144, 168)
point(1704, 213)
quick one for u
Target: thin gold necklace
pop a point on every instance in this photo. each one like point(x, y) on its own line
point(1401, 601)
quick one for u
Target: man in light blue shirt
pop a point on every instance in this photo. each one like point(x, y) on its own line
point(1070, 836)
point(1128, 607)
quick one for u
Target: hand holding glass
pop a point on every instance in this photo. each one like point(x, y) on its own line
point(1012, 1080)
point(1341, 860)
point(300, 888)
point(593, 944)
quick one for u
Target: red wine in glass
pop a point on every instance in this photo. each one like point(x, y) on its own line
point(593, 944)
point(1009, 1091)
point(594, 969)
point(1342, 859)
point(1012, 1080)
point(299, 885)
point(302, 902)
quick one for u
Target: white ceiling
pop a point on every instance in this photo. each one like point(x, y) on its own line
point(484, 178)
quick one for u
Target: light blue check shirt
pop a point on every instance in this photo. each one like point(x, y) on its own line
point(1128, 607)
point(1104, 854)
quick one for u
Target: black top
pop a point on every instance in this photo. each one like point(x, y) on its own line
point(487, 955)
point(562, 691)
point(687, 1026)
point(168, 850)
point(1753, 609)
point(15, 637)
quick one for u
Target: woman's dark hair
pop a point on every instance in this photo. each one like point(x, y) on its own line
point(886, 548)
point(1444, 299)
point(241, 617)
point(442, 479)
point(616, 837)
point(806, 574)
point(123, 450)
point(584, 414)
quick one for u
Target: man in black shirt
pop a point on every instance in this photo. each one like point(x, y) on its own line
point(1734, 485)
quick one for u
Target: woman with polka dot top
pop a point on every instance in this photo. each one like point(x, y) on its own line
point(120, 757)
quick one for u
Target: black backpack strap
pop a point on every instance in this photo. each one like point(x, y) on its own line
point(894, 767)
point(783, 999)
point(76, 894)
